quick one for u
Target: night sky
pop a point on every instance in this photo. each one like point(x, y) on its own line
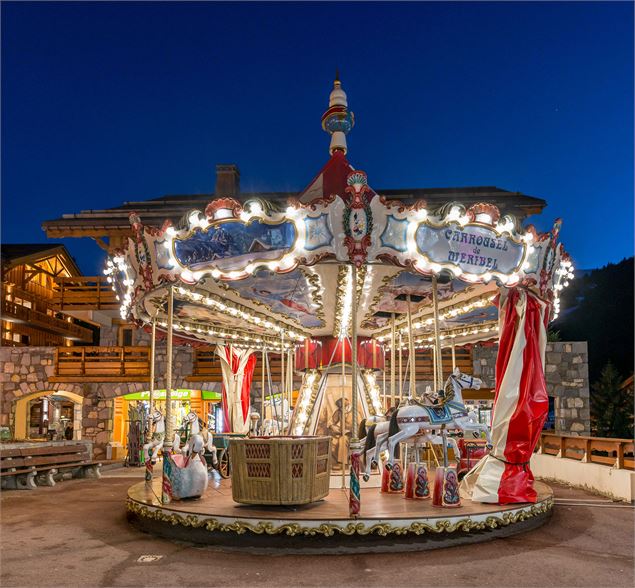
point(103, 103)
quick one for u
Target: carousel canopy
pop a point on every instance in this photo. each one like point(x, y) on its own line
point(269, 272)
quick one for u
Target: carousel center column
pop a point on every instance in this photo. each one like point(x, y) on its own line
point(354, 497)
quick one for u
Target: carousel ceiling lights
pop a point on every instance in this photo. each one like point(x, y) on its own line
point(448, 313)
point(237, 311)
point(428, 342)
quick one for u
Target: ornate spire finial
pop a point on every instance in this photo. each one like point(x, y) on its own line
point(337, 120)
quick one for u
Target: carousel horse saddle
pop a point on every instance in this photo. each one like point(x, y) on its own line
point(435, 415)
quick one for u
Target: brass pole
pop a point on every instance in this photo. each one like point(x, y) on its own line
point(282, 381)
point(400, 368)
point(411, 352)
point(169, 425)
point(437, 339)
point(393, 365)
point(354, 355)
point(342, 398)
point(152, 352)
point(262, 392)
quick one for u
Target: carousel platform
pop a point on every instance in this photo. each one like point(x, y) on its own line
point(388, 521)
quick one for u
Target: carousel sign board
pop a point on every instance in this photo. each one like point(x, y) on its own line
point(476, 249)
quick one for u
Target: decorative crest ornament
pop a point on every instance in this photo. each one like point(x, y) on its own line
point(358, 218)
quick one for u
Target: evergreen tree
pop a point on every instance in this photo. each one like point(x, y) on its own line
point(611, 408)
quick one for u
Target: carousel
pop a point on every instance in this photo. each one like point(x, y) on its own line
point(345, 287)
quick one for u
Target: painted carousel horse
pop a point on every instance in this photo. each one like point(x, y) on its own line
point(375, 438)
point(158, 436)
point(377, 441)
point(197, 441)
point(450, 414)
point(270, 428)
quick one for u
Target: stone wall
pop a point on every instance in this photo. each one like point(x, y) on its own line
point(567, 376)
point(26, 370)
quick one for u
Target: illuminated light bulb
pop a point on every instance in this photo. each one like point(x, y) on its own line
point(487, 277)
point(454, 213)
point(216, 274)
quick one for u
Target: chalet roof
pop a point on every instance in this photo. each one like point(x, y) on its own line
point(114, 221)
point(14, 254)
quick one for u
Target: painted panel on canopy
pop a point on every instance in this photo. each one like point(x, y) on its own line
point(474, 317)
point(474, 248)
point(233, 244)
point(408, 283)
point(289, 294)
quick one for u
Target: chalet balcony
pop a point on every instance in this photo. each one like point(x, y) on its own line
point(84, 293)
point(17, 313)
point(101, 364)
point(207, 367)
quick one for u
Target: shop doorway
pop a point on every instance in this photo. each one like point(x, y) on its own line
point(48, 416)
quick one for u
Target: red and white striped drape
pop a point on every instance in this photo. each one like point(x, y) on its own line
point(238, 369)
point(521, 403)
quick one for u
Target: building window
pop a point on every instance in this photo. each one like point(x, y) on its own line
point(550, 423)
point(125, 336)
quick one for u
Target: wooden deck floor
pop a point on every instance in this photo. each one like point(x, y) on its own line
point(217, 501)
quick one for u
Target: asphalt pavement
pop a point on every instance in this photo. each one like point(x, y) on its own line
point(76, 534)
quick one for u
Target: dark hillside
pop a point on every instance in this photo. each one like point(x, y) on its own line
point(598, 307)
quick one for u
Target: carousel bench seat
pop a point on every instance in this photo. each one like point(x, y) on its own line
point(27, 467)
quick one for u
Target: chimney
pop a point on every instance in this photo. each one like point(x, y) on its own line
point(227, 180)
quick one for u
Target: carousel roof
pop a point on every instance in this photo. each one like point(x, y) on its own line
point(268, 271)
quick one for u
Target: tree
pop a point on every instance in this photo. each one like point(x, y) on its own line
point(611, 408)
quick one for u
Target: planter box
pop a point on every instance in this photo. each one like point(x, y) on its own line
point(280, 470)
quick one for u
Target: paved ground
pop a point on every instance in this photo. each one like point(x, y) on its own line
point(76, 534)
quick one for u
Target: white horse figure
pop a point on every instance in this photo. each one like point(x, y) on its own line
point(376, 439)
point(415, 419)
point(197, 442)
point(270, 428)
point(158, 436)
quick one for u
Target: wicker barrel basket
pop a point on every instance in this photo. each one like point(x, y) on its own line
point(280, 470)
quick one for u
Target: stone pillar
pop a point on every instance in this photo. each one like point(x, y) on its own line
point(567, 375)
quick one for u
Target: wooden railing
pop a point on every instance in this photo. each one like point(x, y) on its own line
point(618, 453)
point(21, 314)
point(207, 366)
point(101, 364)
point(84, 293)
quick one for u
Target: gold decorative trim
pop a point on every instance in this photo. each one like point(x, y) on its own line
point(351, 528)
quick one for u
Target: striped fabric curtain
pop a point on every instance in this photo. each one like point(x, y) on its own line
point(521, 403)
point(238, 368)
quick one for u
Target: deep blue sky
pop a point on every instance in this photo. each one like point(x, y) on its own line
point(103, 103)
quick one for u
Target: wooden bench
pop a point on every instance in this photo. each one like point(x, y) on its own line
point(25, 467)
